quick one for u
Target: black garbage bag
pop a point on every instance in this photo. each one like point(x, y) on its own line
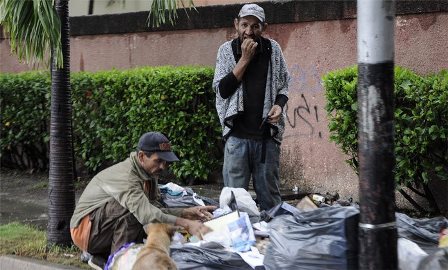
point(280, 209)
point(436, 261)
point(185, 200)
point(424, 232)
point(325, 238)
point(207, 258)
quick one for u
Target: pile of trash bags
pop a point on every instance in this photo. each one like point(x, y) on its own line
point(420, 244)
point(304, 236)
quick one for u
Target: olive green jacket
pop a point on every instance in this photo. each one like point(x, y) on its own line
point(123, 182)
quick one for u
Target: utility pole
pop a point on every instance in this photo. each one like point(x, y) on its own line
point(377, 229)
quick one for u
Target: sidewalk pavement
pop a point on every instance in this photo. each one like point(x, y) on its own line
point(11, 262)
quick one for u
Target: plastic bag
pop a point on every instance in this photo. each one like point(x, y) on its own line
point(325, 238)
point(244, 202)
point(185, 198)
point(435, 261)
point(124, 258)
point(280, 209)
point(184, 201)
point(173, 189)
point(202, 258)
point(424, 232)
point(421, 251)
point(409, 254)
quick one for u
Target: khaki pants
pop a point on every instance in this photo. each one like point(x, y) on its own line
point(113, 226)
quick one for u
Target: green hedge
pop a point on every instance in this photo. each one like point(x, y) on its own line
point(421, 122)
point(24, 105)
point(111, 109)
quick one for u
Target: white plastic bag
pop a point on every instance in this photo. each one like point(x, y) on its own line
point(244, 202)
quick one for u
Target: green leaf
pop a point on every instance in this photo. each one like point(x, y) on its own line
point(34, 29)
point(421, 121)
point(162, 11)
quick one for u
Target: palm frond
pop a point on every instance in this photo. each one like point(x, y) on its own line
point(162, 11)
point(33, 27)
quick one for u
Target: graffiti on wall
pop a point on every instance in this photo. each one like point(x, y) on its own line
point(302, 116)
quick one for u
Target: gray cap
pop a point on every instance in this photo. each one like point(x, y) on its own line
point(252, 10)
point(158, 143)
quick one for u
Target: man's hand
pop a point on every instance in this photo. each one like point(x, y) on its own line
point(201, 213)
point(193, 227)
point(274, 114)
point(248, 48)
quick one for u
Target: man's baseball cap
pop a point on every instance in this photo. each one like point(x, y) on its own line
point(252, 10)
point(158, 143)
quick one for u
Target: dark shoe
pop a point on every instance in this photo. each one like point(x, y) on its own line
point(97, 262)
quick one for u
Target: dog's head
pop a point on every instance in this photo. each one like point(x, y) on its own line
point(160, 228)
point(155, 254)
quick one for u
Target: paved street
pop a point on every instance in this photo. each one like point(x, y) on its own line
point(22, 263)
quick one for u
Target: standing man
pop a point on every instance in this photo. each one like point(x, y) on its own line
point(116, 203)
point(251, 84)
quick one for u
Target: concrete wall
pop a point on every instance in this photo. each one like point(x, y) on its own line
point(313, 42)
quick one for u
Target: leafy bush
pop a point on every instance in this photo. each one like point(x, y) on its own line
point(24, 103)
point(111, 109)
point(421, 123)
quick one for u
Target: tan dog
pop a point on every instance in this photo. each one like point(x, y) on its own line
point(155, 254)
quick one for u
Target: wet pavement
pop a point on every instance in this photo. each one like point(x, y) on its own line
point(24, 197)
point(26, 212)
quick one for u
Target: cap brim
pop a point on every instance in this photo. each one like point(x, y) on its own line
point(259, 18)
point(168, 156)
point(256, 16)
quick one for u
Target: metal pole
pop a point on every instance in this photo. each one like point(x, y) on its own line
point(377, 230)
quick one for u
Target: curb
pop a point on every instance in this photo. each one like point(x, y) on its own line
point(11, 262)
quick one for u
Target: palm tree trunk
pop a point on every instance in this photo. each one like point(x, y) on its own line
point(61, 192)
